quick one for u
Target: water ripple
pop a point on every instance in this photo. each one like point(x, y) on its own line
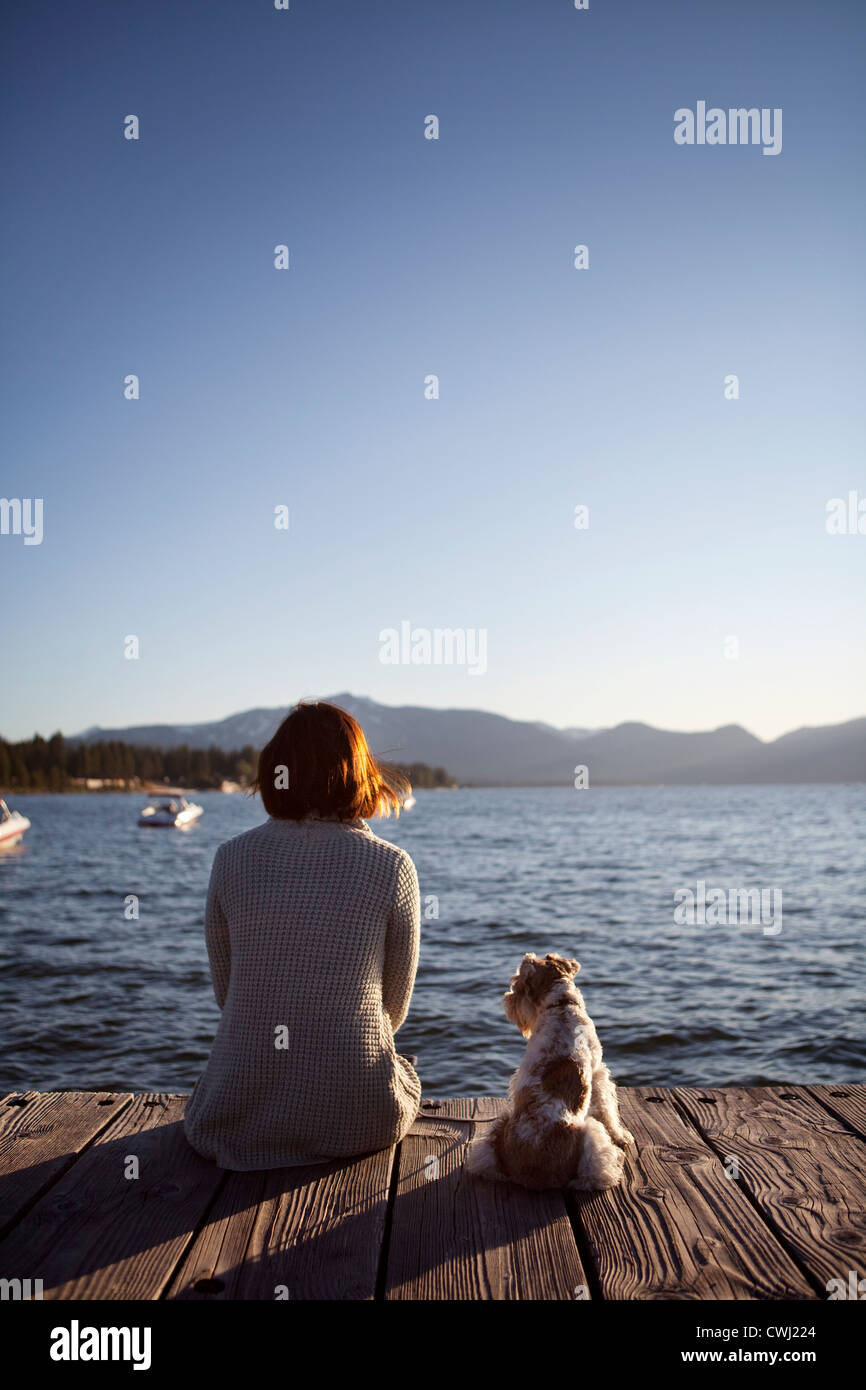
point(91, 999)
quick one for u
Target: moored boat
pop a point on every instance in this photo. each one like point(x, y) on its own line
point(12, 826)
point(173, 812)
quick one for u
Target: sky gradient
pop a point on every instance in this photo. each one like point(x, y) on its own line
point(409, 256)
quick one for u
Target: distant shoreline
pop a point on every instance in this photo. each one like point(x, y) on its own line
point(15, 794)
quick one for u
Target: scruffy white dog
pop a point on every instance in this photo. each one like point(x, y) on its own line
point(561, 1127)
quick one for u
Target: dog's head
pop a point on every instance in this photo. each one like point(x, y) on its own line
point(531, 986)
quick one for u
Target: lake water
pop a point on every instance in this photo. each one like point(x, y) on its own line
point(90, 1000)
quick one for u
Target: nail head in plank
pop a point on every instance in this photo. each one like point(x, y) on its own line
point(848, 1102)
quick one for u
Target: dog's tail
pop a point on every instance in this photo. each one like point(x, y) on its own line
point(601, 1162)
point(481, 1156)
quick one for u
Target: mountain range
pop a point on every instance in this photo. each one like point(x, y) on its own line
point(489, 750)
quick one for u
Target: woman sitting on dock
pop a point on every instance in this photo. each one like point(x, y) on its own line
point(312, 927)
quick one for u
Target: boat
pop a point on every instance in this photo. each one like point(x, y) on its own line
point(12, 826)
point(175, 812)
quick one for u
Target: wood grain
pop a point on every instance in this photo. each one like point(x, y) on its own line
point(98, 1234)
point(848, 1102)
point(410, 1223)
point(802, 1168)
point(314, 1232)
point(676, 1227)
point(454, 1236)
point(41, 1135)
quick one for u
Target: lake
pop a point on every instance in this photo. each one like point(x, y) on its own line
point(90, 999)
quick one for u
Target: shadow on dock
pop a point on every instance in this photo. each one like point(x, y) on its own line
point(743, 1193)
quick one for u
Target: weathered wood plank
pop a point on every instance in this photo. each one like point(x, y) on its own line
point(848, 1102)
point(99, 1234)
point(676, 1227)
point(462, 1107)
point(312, 1232)
point(41, 1135)
point(458, 1237)
point(802, 1167)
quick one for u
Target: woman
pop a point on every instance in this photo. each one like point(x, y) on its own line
point(312, 928)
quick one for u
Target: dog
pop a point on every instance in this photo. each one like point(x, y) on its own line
point(561, 1127)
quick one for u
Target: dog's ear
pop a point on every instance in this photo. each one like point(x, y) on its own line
point(565, 967)
point(520, 1001)
point(524, 972)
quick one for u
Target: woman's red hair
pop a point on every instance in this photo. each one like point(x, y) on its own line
point(318, 762)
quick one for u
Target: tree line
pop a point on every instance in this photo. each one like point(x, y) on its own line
point(53, 765)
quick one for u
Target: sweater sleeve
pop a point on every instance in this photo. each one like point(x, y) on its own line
point(402, 944)
point(216, 935)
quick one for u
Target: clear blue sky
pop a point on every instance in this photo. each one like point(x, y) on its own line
point(408, 257)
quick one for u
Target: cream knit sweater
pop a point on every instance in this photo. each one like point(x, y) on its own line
point(312, 930)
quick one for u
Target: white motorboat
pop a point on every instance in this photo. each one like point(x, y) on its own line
point(175, 812)
point(12, 826)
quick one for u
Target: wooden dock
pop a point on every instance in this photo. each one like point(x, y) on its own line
point(755, 1193)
